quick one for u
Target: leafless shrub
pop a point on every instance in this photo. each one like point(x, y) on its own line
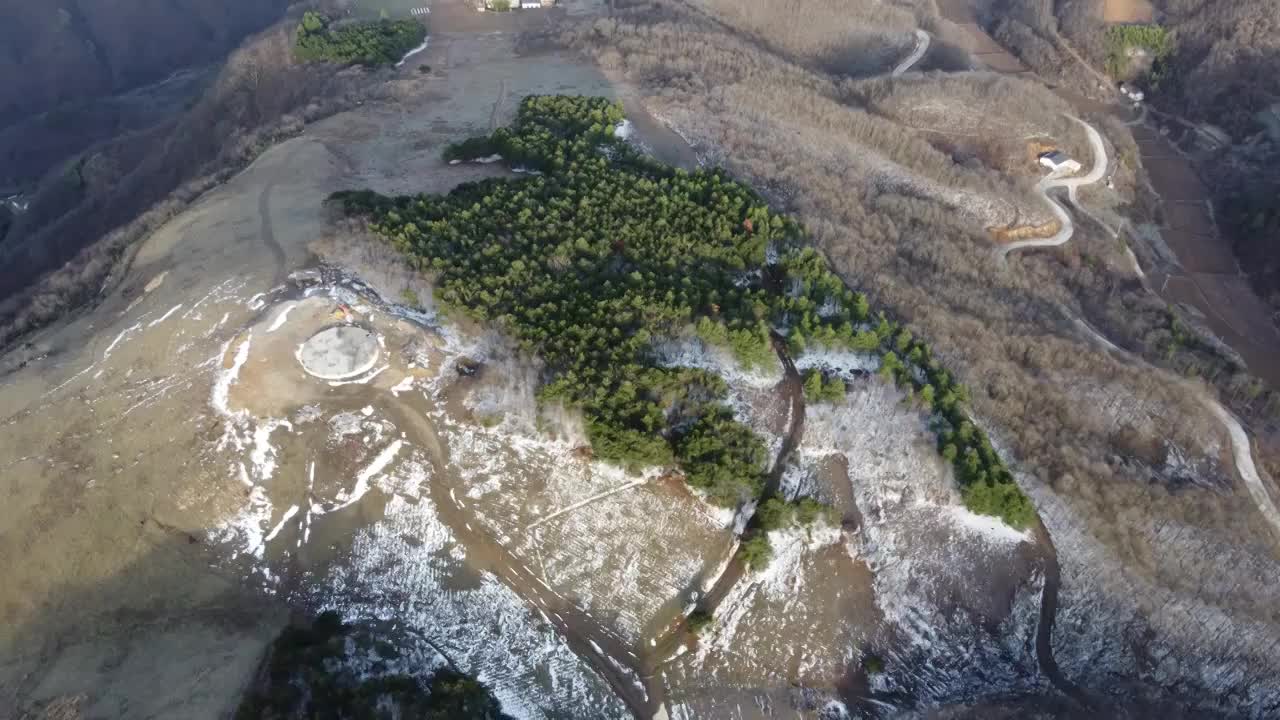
point(879, 200)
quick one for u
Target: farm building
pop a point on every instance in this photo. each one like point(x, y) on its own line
point(1057, 162)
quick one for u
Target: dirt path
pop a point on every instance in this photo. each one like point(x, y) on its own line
point(922, 46)
point(583, 503)
point(670, 635)
point(268, 233)
point(792, 387)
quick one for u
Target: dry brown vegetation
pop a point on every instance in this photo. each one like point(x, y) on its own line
point(840, 37)
point(136, 183)
point(868, 190)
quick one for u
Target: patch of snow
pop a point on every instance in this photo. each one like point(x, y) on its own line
point(288, 515)
point(243, 531)
point(843, 362)
point(693, 352)
point(281, 317)
point(989, 527)
point(783, 576)
point(798, 479)
point(624, 129)
point(413, 52)
point(835, 710)
point(165, 316)
point(123, 333)
point(345, 499)
point(263, 455)
point(346, 424)
point(404, 385)
point(362, 380)
point(223, 383)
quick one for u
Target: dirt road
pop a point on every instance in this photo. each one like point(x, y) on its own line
point(922, 47)
point(1054, 181)
point(792, 387)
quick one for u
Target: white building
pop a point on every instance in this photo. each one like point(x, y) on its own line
point(1059, 163)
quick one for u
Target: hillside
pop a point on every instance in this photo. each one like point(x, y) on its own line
point(1218, 65)
point(72, 51)
point(83, 216)
point(633, 358)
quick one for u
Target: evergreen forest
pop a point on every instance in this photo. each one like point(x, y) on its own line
point(372, 43)
point(599, 251)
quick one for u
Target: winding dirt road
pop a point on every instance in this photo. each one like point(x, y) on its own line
point(1053, 181)
point(922, 47)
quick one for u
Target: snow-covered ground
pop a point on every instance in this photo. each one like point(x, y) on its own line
point(938, 569)
point(407, 567)
point(694, 353)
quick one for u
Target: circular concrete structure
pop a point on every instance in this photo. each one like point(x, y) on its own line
point(338, 353)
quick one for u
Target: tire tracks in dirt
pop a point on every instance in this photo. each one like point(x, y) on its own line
point(497, 105)
point(267, 231)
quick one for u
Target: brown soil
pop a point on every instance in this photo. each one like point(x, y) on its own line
point(1128, 11)
point(1004, 235)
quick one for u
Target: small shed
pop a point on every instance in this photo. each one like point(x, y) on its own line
point(1057, 162)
